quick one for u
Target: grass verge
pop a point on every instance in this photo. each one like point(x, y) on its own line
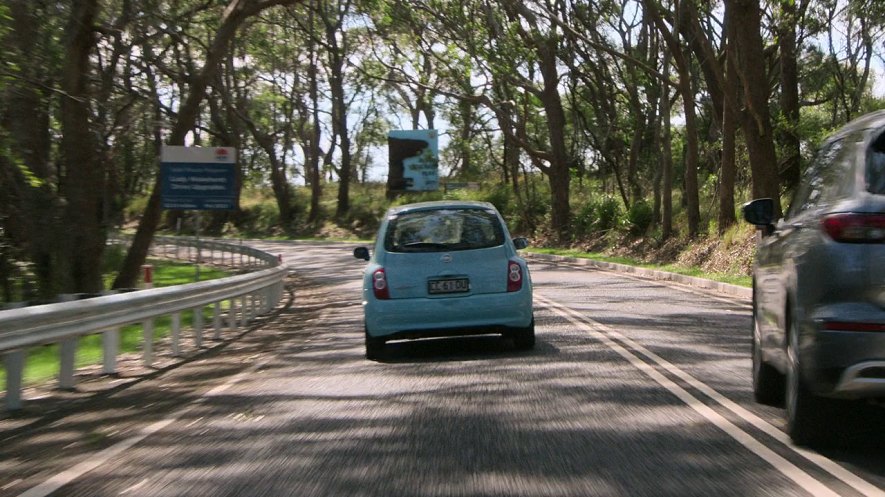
point(733, 279)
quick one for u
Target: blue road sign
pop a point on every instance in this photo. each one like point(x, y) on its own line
point(193, 178)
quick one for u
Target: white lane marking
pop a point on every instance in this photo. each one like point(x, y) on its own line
point(803, 479)
point(135, 487)
point(847, 477)
point(11, 484)
point(67, 476)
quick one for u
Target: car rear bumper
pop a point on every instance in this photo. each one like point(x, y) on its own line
point(847, 362)
point(866, 379)
point(428, 317)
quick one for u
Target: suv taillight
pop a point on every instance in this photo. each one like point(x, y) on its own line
point(855, 227)
point(853, 326)
point(379, 285)
point(514, 277)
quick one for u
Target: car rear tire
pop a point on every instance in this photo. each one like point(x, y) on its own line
point(524, 339)
point(809, 416)
point(768, 382)
point(374, 347)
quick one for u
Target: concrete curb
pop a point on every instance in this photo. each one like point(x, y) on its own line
point(652, 274)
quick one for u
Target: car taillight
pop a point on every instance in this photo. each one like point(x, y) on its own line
point(853, 326)
point(379, 285)
point(514, 277)
point(855, 227)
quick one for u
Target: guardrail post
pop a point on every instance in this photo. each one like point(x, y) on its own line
point(67, 353)
point(176, 334)
point(244, 310)
point(110, 349)
point(232, 314)
point(198, 327)
point(216, 320)
point(14, 363)
point(148, 334)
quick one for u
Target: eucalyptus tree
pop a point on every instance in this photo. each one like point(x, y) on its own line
point(400, 53)
point(614, 89)
point(228, 23)
point(686, 89)
point(30, 207)
point(854, 33)
point(62, 195)
point(268, 74)
point(330, 31)
point(743, 26)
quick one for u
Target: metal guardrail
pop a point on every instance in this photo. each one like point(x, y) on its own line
point(248, 294)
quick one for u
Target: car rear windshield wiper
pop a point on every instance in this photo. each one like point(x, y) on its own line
point(424, 246)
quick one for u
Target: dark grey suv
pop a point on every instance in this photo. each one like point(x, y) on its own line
point(819, 286)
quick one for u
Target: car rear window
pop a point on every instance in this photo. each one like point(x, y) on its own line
point(876, 166)
point(443, 230)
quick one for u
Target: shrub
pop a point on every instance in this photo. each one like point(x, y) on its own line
point(365, 213)
point(608, 213)
point(584, 218)
point(640, 217)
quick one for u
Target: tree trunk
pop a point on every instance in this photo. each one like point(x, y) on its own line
point(84, 169)
point(789, 95)
point(559, 171)
point(690, 190)
point(312, 135)
point(666, 157)
point(728, 171)
point(743, 23)
point(31, 214)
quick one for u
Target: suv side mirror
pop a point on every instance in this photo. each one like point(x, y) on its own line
point(759, 212)
point(361, 253)
point(520, 243)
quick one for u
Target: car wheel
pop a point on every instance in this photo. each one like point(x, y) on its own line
point(807, 414)
point(374, 346)
point(524, 339)
point(768, 383)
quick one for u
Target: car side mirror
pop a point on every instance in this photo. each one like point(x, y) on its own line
point(759, 212)
point(361, 253)
point(520, 243)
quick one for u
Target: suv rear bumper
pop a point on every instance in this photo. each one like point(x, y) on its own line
point(848, 363)
point(866, 379)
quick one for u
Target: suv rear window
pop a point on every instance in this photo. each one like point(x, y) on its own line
point(876, 167)
point(443, 230)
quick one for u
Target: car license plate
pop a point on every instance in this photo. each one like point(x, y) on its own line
point(455, 285)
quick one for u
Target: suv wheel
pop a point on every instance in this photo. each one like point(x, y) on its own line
point(768, 383)
point(808, 416)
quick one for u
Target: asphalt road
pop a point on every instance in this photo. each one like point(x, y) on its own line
point(635, 388)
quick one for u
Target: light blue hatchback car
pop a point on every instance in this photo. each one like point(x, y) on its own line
point(445, 269)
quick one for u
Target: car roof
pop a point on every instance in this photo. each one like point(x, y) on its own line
point(441, 204)
point(866, 125)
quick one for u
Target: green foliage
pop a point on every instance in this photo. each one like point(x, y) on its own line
point(584, 218)
point(413, 197)
point(640, 217)
point(608, 212)
point(597, 214)
point(366, 210)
